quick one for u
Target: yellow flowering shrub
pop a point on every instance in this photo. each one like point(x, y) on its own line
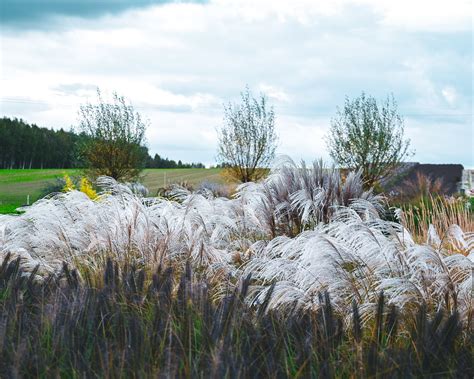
point(69, 185)
point(86, 187)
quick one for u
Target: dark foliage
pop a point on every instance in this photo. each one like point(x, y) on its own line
point(160, 162)
point(28, 146)
point(56, 186)
point(131, 324)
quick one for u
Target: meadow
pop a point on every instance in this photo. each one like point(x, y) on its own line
point(298, 275)
point(17, 185)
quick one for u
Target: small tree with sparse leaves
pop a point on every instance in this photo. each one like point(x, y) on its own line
point(247, 140)
point(115, 146)
point(368, 136)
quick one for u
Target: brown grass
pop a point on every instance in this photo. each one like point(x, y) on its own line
point(442, 213)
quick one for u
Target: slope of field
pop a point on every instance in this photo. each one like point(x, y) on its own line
point(16, 185)
point(159, 178)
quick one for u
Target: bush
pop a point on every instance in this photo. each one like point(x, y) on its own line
point(116, 138)
point(297, 198)
point(56, 186)
point(367, 135)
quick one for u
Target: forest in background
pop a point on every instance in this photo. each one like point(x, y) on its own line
point(26, 146)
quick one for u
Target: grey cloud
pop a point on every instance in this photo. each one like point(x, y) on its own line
point(36, 13)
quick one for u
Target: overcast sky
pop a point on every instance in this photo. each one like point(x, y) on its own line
point(178, 62)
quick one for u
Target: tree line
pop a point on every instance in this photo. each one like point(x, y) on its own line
point(30, 146)
point(27, 146)
point(159, 162)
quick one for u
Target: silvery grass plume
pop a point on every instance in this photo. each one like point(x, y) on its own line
point(70, 226)
point(138, 189)
point(198, 226)
point(296, 198)
point(301, 231)
point(354, 257)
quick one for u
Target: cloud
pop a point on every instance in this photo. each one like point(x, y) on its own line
point(449, 93)
point(425, 15)
point(34, 13)
point(274, 93)
point(179, 62)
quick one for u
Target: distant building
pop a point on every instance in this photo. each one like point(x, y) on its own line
point(467, 183)
point(452, 176)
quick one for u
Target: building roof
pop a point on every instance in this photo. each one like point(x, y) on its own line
point(450, 175)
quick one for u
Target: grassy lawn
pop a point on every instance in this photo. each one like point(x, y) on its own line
point(16, 185)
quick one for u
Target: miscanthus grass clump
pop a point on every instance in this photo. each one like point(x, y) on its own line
point(302, 232)
point(120, 321)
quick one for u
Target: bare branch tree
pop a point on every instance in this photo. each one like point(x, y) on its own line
point(367, 136)
point(247, 140)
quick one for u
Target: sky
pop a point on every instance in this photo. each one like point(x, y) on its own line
point(178, 63)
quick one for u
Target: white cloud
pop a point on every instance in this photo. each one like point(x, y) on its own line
point(274, 93)
point(302, 138)
point(427, 15)
point(178, 63)
point(449, 93)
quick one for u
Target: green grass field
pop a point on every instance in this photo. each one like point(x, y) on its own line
point(16, 185)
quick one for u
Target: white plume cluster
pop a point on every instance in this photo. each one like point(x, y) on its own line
point(302, 229)
point(355, 257)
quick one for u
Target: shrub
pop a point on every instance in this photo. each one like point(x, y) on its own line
point(55, 186)
point(83, 185)
point(116, 138)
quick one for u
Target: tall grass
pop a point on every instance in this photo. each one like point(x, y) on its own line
point(439, 220)
point(296, 198)
point(121, 321)
point(301, 232)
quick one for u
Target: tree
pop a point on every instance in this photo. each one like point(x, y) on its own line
point(247, 140)
point(368, 136)
point(116, 138)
